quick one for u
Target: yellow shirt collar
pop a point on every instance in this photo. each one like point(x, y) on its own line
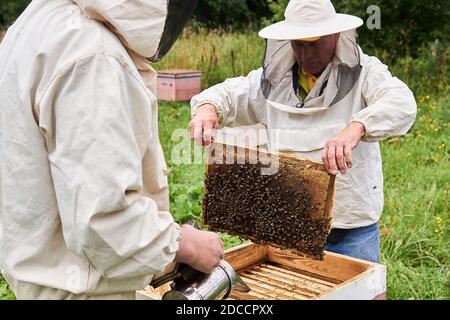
point(306, 81)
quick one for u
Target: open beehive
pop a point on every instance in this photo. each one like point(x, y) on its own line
point(276, 274)
point(268, 198)
point(283, 204)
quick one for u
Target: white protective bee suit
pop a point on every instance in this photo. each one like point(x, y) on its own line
point(84, 196)
point(353, 87)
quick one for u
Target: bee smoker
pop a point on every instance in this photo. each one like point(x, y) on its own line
point(190, 284)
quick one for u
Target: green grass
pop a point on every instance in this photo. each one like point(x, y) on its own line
point(5, 292)
point(415, 221)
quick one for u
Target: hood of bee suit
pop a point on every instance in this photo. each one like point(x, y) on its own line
point(149, 28)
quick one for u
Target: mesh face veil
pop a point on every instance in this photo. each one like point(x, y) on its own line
point(178, 14)
point(345, 66)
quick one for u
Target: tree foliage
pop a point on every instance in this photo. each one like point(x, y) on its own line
point(10, 10)
point(238, 14)
point(406, 25)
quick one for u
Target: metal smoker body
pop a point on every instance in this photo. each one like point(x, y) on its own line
point(190, 284)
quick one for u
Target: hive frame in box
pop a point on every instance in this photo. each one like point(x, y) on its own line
point(337, 277)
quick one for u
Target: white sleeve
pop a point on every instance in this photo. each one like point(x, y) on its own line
point(237, 100)
point(96, 121)
point(391, 108)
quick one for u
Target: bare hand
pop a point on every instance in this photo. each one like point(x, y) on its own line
point(201, 250)
point(202, 128)
point(337, 153)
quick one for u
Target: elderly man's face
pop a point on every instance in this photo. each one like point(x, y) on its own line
point(314, 56)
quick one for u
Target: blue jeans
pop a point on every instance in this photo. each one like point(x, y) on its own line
point(362, 243)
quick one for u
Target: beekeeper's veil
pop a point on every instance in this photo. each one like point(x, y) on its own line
point(308, 19)
point(147, 27)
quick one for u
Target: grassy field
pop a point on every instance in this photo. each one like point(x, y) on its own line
point(415, 222)
point(217, 55)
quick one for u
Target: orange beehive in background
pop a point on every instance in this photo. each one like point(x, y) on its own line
point(178, 84)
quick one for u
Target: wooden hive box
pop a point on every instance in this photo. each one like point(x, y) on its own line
point(178, 84)
point(276, 274)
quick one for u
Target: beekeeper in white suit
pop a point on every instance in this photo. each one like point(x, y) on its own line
point(84, 199)
point(320, 97)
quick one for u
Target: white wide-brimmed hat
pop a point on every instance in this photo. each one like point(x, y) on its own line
point(308, 19)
